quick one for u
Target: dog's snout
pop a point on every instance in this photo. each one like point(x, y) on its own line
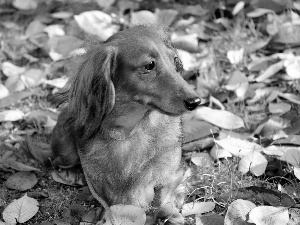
point(192, 103)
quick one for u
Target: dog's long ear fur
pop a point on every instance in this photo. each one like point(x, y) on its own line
point(91, 91)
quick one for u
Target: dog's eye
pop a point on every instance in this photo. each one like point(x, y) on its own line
point(150, 66)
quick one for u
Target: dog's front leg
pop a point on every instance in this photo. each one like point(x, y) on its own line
point(166, 200)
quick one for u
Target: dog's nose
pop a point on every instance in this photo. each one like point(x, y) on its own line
point(192, 103)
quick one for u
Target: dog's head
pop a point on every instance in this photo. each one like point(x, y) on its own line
point(141, 65)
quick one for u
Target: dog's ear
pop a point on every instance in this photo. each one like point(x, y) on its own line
point(91, 93)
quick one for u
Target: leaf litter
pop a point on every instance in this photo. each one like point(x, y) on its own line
point(239, 59)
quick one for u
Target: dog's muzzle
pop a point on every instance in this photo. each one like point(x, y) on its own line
point(192, 103)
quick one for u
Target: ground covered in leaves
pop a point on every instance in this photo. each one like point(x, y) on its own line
point(242, 145)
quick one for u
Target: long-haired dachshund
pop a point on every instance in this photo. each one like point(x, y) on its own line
point(123, 120)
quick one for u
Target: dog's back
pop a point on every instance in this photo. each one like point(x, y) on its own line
point(125, 103)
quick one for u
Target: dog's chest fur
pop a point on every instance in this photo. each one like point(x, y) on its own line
point(150, 155)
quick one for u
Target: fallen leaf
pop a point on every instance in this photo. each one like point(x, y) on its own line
point(259, 12)
point(202, 159)
point(20, 210)
point(72, 177)
point(165, 17)
point(269, 215)
point(194, 129)
point(25, 4)
point(62, 15)
point(237, 212)
point(97, 23)
point(292, 67)
point(58, 82)
point(235, 56)
point(15, 97)
point(213, 219)
point(291, 97)
point(238, 147)
point(55, 30)
point(4, 92)
point(11, 115)
point(220, 118)
point(238, 7)
point(292, 156)
point(11, 70)
point(21, 181)
point(186, 42)
point(33, 77)
point(193, 208)
point(279, 108)
point(254, 162)
point(14, 84)
point(271, 71)
point(297, 172)
point(34, 27)
point(13, 164)
point(189, 61)
point(105, 4)
point(218, 153)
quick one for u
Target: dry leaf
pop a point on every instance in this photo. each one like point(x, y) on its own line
point(97, 23)
point(143, 17)
point(11, 115)
point(238, 147)
point(20, 210)
point(34, 27)
point(13, 164)
point(292, 156)
point(291, 97)
point(254, 162)
point(58, 82)
point(220, 118)
point(297, 172)
point(197, 208)
point(11, 70)
point(271, 71)
point(280, 108)
point(292, 67)
point(237, 212)
point(218, 153)
point(238, 7)
point(62, 15)
point(105, 4)
point(259, 12)
point(25, 4)
point(269, 215)
point(4, 92)
point(186, 42)
point(21, 181)
point(213, 219)
point(55, 30)
point(33, 77)
point(201, 159)
point(235, 56)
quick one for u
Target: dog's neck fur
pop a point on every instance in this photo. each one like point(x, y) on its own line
point(124, 120)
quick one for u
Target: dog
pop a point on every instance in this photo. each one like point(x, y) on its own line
point(122, 122)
